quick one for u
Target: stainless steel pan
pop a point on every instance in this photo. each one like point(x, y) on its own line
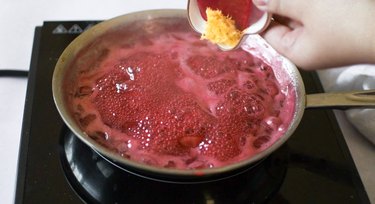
point(340, 100)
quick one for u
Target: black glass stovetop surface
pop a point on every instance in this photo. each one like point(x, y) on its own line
point(314, 166)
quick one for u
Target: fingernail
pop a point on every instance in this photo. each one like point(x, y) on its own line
point(260, 3)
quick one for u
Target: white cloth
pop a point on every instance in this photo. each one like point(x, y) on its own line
point(351, 78)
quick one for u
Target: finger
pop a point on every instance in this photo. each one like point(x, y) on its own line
point(283, 39)
point(286, 21)
point(295, 45)
point(290, 8)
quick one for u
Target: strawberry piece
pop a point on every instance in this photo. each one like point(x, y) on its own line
point(272, 89)
point(178, 126)
point(260, 141)
point(85, 121)
point(249, 85)
point(190, 141)
point(167, 143)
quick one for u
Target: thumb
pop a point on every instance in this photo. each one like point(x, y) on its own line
point(281, 38)
point(290, 43)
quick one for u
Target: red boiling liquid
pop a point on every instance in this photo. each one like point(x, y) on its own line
point(159, 95)
point(239, 10)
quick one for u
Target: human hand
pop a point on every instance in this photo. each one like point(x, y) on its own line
point(321, 34)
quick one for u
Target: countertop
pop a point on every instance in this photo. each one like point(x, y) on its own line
point(18, 20)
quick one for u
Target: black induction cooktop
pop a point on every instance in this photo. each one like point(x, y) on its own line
point(314, 166)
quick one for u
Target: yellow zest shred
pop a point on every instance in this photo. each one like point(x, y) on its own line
point(220, 29)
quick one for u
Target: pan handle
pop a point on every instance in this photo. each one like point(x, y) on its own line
point(342, 100)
